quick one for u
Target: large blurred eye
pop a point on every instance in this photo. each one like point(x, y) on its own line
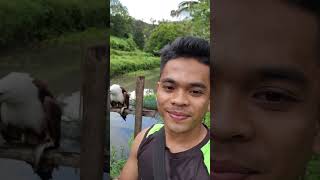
point(275, 99)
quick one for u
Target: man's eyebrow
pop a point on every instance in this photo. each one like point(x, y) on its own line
point(167, 80)
point(198, 84)
point(192, 84)
point(282, 73)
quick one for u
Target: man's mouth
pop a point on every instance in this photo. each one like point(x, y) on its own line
point(178, 115)
point(228, 170)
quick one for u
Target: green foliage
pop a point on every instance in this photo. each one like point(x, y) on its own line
point(163, 34)
point(25, 21)
point(124, 62)
point(117, 8)
point(122, 44)
point(200, 13)
point(117, 161)
point(313, 170)
point(121, 23)
point(121, 26)
point(138, 33)
point(207, 120)
point(89, 36)
point(149, 102)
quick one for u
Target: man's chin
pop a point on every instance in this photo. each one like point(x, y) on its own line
point(178, 128)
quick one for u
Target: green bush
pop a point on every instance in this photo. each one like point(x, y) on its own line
point(122, 44)
point(25, 21)
point(117, 162)
point(313, 169)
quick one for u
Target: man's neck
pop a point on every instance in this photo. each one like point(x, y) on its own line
point(179, 142)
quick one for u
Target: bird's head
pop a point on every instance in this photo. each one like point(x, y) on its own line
point(16, 88)
point(115, 89)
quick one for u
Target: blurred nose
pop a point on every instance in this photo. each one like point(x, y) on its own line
point(230, 120)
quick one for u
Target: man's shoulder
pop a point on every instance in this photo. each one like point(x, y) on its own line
point(153, 129)
point(147, 132)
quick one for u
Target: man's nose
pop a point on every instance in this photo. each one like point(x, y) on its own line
point(179, 98)
point(230, 121)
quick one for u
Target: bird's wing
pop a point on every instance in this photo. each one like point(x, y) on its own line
point(53, 118)
point(52, 110)
point(43, 90)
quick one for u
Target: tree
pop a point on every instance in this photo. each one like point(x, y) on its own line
point(200, 14)
point(196, 15)
point(120, 21)
point(163, 34)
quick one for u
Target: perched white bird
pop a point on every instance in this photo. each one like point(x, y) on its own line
point(29, 114)
point(119, 98)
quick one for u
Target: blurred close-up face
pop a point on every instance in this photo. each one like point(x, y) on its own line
point(266, 90)
point(183, 94)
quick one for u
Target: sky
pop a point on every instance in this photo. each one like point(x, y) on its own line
point(147, 9)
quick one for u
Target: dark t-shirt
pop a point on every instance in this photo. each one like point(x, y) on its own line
point(186, 165)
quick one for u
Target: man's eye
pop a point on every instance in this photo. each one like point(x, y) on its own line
point(196, 92)
point(168, 88)
point(275, 99)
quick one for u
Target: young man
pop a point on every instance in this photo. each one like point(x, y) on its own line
point(183, 94)
point(266, 89)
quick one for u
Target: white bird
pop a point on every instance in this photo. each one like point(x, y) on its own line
point(29, 114)
point(119, 98)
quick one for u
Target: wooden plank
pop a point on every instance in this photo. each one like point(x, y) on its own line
point(139, 105)
point(26, 154)
point(54, 156)
point(93, 132)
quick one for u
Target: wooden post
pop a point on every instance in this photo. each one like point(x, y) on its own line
point(139, 105)
point(95, 71)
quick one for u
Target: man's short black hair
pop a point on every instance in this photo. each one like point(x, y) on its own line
point(309, 5)
point(312, 7)
point(186, 47)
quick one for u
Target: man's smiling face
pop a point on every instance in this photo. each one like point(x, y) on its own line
point(183, 94)
point(266, 90)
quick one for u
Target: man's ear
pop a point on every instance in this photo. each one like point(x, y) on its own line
point(209, 107)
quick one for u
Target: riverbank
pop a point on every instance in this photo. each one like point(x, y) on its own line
point(130, 61)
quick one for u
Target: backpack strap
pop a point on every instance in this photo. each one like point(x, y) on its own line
point(158, 156)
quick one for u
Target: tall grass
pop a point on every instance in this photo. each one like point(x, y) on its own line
point(124, 62)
